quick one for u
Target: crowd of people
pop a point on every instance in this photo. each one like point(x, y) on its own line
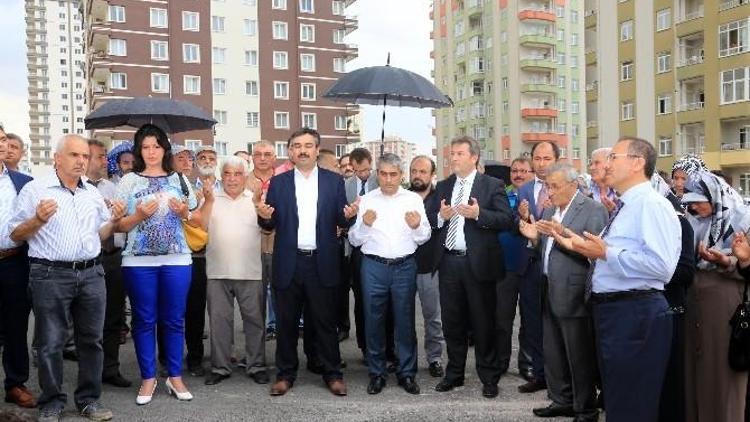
point(626, 278)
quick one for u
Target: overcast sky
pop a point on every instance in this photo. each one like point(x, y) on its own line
point(396, 26)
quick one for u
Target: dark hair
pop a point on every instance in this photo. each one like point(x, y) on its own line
point(418, 157)
point(360, 154)
point(555, 148)
point(326, 151)
point(304, 131)
point(343, 156)
point(98, 143)
point(161, 138)
point(471, 142)
point(121, 153)
point(242, 151)
point(521, 160)
point(15, 137)
point(642, 148)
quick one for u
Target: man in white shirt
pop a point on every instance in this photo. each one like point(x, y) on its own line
point(390, 226)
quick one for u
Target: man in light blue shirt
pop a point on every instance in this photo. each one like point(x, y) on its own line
point(634, 257)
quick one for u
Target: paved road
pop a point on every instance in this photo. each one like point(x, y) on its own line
point(239, 399)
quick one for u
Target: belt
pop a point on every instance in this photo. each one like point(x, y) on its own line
point(73, 265)
point(597, 298)
point(7, 253)
point(390, 261)
point(455, 252)
point(306, 252)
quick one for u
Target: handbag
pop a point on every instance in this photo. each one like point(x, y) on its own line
point(739, 341)
point(195, 237)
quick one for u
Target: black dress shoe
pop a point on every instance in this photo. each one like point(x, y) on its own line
point(260, 377)
point(527, 374)
point(213, 378)
point(448, 385)
point(409, 385)
point(377, 383)
point(117, 380)
point(554, 410)
point(436, 370)
point(490, 391)
point(197, 370)
point(533, 386)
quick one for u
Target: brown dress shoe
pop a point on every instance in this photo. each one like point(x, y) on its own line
point(280, 387)
point(21, 396)
point(337, 387)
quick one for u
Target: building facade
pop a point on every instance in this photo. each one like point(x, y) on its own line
point(391, 144)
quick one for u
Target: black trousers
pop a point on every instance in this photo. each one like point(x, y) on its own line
point(15, 307)
point(319, 303)
point(672, 403)
point(195, 313)
point(114, 316)
point(355, 269)
point(462, 299)
point(507, 302)
point(343, 323)
point(530, 299)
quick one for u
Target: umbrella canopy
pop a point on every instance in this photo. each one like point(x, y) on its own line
point(173, 116)
point(386, 85)
point(114, 154)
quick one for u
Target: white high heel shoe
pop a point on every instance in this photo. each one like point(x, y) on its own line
point(186, 396)
point(140, 400)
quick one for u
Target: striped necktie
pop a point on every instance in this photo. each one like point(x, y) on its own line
point(362, 189)
point(450, 240)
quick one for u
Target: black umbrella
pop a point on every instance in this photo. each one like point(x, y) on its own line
point(387, 85)
point(173, 116)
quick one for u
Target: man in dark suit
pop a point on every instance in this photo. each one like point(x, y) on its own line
point(569, 351)
point(468, 211)
point(305, 206)
point(15, 304)
point(533, 197)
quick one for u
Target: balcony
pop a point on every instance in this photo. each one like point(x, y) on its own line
point(589, 19)
point(692, 138)
point(537, 113)
point(99, 41)
point(537, 14)
point(533, 137)
point(697, 105)
point(731, 4)
point(544, 39)
point(592, 86)
point(590, 57)
point(97, 10)
point(592, 124)
point(695, 12)
point(536, 63)
point(100, 73)
point(539, 86)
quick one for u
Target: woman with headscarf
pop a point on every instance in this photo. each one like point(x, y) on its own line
point(682, 169)
point(715, 392)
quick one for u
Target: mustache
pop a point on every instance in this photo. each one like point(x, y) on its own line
point(303, 155)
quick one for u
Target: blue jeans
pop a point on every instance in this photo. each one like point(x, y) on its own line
point(158, 295)
point(58, 296)
point(379, 283)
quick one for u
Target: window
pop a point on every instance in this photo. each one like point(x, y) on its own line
point(560, 34)
point(560, 11)
point(574, 130)
point(734, 85)
point(221, 148)
point(665, 146)
point(340, 123)
point(280, 121)
point(220, 116)
point(733, 38)
point(280, 60)
point(561, 104)
point(191, 85)
point(307, 33)
point(340, 150)
point(339, 64)
point(561, 81)
point(218, 55)
point(663, 62)
point(191, 53)
point(158, 18)
point(249, 27)
point(159, 50)
point(338, 36)
point(280, 30)
point(281, 90)
point(574, 16)
point(118, 80)
point(573, 61)
point(220, 86)
point(576, 154)
point(117, 47)
point(574, 107)
point(251, 88)
point(251, 57)
point(310, 120)
point(308, 91)
point(190, 21)
point(252, 119)
point(281, 151)
point(307, 6)
point(626, 30)
point(574, 85)
point(116, 14)
point(562, 128)
point(626, 111)
point(338, 7)
point(626, 71)
point(159, 82)
point(307, 62)
point(573, 39)
point(664, 104)
point(217, 23)
point(663, 19)
point(560, 58)
point(193, 145)
point(278, 4)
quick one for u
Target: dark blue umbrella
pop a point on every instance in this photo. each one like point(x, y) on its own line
point(173, 116)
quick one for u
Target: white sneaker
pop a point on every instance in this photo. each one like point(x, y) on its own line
point(184, 396)
point(140, 400)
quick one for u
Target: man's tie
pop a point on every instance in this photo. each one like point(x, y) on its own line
point(543, 197)
point(590, 278)
point(450, 240)
point(362, 189)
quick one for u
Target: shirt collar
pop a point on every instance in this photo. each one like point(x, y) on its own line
point(567, 207)
point(469, 178)
point(223, 193)
point(313, 173)
point(636, 191)
point(5, 171)
point(53, 180)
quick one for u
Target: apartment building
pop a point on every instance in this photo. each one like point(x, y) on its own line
point(515, 70)
point(676, 73)
point(56, 75)
point(394, 145)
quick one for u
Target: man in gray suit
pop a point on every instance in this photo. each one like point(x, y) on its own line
point(569, 351)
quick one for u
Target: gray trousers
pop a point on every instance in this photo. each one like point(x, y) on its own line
point(429, 297)
point(250, 295)
point(59, 296)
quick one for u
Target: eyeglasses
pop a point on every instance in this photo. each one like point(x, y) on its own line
point(611, 156)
